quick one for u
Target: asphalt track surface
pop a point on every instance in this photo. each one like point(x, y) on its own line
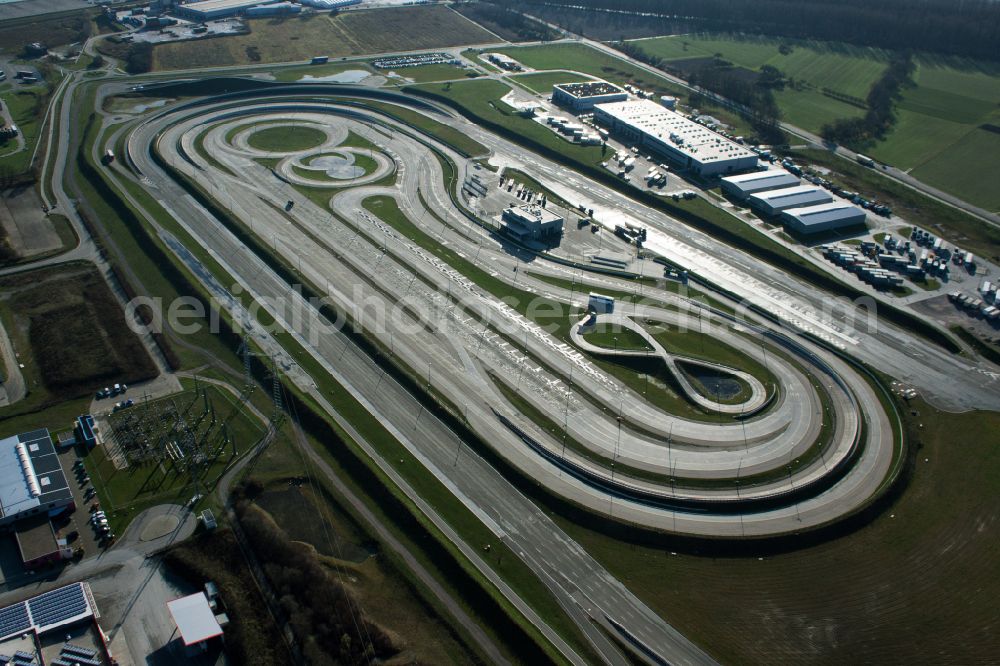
point(467, 341)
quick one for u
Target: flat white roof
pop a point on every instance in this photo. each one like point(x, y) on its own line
point(828, 212)
point(774, 195)
point(194, 618)
point(215, 5)
point(757, 176)
point(683, 134)
point(536, 214)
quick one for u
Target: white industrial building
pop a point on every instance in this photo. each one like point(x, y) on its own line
point(504, 62)
point(743, 185)
point(209, 10)
point(276, 9)
point(773, 202)
point(675, 137)
point(330, 4)
point(824, 217)
point(532, 223)
point(584, 96)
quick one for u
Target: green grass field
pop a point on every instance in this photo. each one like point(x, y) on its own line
point(847, 69)
point(810, 67)
point(542, 82)
point(610, 338)
point(284, 139)
point(25, 107)
point(348, 34)
point(482, 97)
point(587, 60)
point(939, 136)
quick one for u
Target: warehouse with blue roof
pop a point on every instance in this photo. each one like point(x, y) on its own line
point(773, 202)
point(743, 185)
point(824, 217)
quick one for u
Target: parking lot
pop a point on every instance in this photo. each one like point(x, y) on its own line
point(79, 520)
point(947, 314)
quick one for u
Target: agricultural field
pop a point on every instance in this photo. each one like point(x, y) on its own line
point(948, 123)
point(862, 597)
point(809, 66)
point(348, 34)
point(70, 332)
point(57, 30)
point(847, 69)
point(948, 128)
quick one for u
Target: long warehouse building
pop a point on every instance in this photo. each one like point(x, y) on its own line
point(824, 217)
point(743, 185)
point(675, 137)
point(773, 202)
point(209, 10)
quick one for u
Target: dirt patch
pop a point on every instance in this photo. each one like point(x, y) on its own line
point(28, 230)
point(351, 33)
point(75, 329)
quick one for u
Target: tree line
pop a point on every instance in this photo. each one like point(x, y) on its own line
point(970, 28)
point(513, 24)
point(881, 102)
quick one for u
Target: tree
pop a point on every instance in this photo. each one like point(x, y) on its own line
point(139, 58)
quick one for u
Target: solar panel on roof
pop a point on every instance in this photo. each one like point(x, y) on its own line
point(77, 649)
point(14, 620)
point(58, 605)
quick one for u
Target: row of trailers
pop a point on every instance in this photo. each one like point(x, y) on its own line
point(977, 306)
point(866, 268)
